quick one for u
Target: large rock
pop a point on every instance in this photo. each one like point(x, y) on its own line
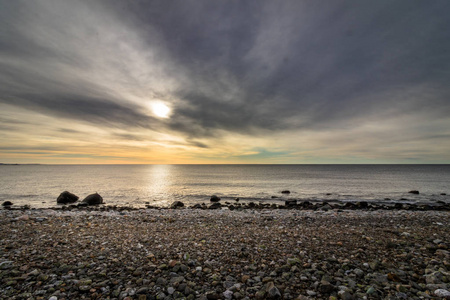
point(7, 203)
point(416, 192)
point(93, 199)
point(214, 198)
point(66, 197)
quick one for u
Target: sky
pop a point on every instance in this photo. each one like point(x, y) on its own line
point(276, 82)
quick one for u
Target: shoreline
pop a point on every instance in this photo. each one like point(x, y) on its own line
point(221, 254)
point(289, 204)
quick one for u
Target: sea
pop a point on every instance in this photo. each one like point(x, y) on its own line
point(161, 185)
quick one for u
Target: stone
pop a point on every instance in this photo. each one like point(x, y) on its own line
point(442, 293)
point(228, 294)
point(434, 278)
point(293, 261)
point(214, 198)
point(7, 203)
point(285, 192)
point(393, 277)
point(216, 205)
point(66, 197)
point(176, 204)
point(142, 291)
point(211, 295)
point(93, 199)
point(290, 202)
point(358, 272)
point(176, 280)
point(362, 204)
point(416, 192)
point(325, 287)
point(345, 295)
point(272, 291)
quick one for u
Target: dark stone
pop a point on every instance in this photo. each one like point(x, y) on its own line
point(7, 203)
point(237, 199)
point(66, 197)
point(443, 194)
point(362, 204)
point(349, 205)
point(325, 287)
point(93, 199)
point(274, 197)
point(214, 198)
point(197, 206)
point(305, 204)
point(398, 205)
point(290, 202)
point(286, 192)
point(414, 192)
point(212, 295)
point(177, 204)
point(215, 206)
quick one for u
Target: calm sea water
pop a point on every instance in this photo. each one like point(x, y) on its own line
point(136, 185)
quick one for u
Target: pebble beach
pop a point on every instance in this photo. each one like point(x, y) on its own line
point(189, 253)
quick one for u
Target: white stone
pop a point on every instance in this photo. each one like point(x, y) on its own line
point(442, 293)
point(228, 294)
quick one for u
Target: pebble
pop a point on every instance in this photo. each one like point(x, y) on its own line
point(442, 293)
point(222, 254)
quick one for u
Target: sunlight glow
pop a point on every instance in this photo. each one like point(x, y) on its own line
point(160, 109)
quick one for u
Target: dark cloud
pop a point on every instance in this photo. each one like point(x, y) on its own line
point(103, 112)
point(252, 67)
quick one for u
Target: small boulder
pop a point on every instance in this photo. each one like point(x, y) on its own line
point(177, 204)
point(66, 197)
point(7, 203)
point(286, 192)
point(214, 198)
point(414, 192)
point(93, 199)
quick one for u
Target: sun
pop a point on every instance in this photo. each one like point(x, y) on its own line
point(160, 109)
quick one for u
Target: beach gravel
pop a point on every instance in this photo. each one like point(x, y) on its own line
point(221, 254)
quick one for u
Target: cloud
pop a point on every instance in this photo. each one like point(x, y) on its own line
point(256, 69)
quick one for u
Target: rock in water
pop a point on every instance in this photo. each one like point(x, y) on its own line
point(214, 198)
point(286, 192)
point(93, 199)
point(414, 192)
point(66, 197)
point(177, 204)
point(7, 203)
